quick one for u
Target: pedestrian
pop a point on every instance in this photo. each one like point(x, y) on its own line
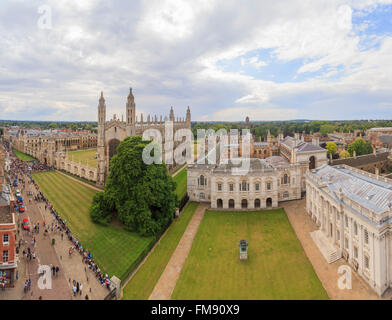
point(80, 288)
point(86, 297)
point(74, 290)
point(77, 286)
point(57, 271)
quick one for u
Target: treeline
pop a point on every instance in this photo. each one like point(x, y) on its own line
point(80, 125)
point(260, 129)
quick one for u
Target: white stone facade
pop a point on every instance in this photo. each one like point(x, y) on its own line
point(354, 212)
point(263, 186)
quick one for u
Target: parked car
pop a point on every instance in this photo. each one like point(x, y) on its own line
point(21, 208)
point(15, 182)
point(26, 224)
point(18, 194)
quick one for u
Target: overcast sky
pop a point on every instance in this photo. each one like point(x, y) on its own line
point(269, 60)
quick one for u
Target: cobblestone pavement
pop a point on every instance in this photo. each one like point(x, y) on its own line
point(166, 283)
point(327, 273)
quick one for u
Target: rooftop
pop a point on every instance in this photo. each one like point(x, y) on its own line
point(361, 187)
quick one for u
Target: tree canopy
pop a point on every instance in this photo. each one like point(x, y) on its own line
point(360, 146)
point(344, 154)
point(143, 195)
point(331, 147)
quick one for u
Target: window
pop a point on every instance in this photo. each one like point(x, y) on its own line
point(285, 179)
point(366, 234)
point(268, 185)
point(338, 216)
point(366, 262)
point(243, 186)
point(285, 194)
point(231, 187)
point(346, 221)
point(346, 243)
point(201, 180)
point(5, 238)
point(337, 235)
point(202, 196)
point(355, 228)
point(257, 187)
point(355, 252)
point(219, 187)
point(5, 256)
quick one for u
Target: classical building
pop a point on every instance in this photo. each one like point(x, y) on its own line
point(353, 210)
point(112, 132)
point(267, 182)
point(44, 145)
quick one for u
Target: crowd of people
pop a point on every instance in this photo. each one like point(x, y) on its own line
point(20, 169)
point(61, 225)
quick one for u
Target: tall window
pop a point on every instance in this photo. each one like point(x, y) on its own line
point(346, 243)
point(356, 252)
point(231, 187)
point(366, 258)
point(355, 228)
point(5, 256)
point(244, 186)
point(366, 236)
point(257, 187)
point(268, 185)
point(201, 180)
point(285, 179)
point(5, 238)
point(219, 187)
point(346, 221)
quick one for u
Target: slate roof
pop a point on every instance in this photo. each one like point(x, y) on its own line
point(367, 191)
point(302, 147)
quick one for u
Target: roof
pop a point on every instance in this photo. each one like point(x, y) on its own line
point(5, 215)
point(302, 147)
point(255, 164)
point(387, 139)
point(360, 187)
point(5, 196)
point(277, 161)
point(260, 144)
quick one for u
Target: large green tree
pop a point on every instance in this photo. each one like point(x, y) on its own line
point(143, 194)
point(360, 146)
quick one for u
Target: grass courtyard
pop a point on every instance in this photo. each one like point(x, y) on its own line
point(144, 280)
point(181, 180)
point(277, 267)
point(113, 248)
point(85, 156)
point(22, 156)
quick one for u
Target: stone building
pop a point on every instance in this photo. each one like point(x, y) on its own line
point(112, 132)
point(44, 145)
point(268, 181)
point(353, 210)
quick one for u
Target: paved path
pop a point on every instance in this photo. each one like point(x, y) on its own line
point(166, 283)
point(81, 182)
point(327, 273)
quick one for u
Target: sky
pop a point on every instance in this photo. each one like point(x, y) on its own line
point(269, 60)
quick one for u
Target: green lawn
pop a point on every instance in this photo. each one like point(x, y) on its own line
point(144, 280)
point(22, 156)
point(181, 180)
point(85, 156)
point(113, 248)
point(277, 267)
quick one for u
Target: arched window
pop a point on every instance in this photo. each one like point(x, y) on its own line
point(285, 179)
point(201, 180)
point(268, 185)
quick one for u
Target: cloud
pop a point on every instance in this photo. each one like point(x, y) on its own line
point(171, 53)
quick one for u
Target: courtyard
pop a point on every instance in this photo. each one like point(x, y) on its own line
point(277, 267)
point(114, 249)
point(22, 156)
point(85, 156)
